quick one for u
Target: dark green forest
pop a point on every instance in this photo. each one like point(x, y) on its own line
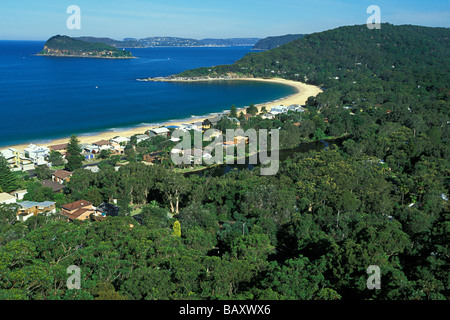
point(310, 231)
point(274, 42)
point(71, 46)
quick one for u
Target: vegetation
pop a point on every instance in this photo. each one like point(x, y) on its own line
point(274, 42)
point(308, 232)
point(66, 46)
point(8, 181)
point(73, 156)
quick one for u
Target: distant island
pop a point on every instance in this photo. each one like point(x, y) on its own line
point(64, 46)
point(171, 42)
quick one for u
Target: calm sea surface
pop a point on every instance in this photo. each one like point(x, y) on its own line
point(42, 98)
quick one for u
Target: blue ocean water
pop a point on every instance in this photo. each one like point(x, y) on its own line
point(43, 98)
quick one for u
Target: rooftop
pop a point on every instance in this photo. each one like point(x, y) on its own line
point(101, 143)
point(53, 185)
point(31, 204)
point(6, 196)
point(76, 205)
point(62, 174)
point(57, 147)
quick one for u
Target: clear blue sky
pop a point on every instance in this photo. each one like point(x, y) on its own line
point(41, 19)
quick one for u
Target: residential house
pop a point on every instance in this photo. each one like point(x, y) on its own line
point(19, 194)
point(37, 154)
point(78, 210)
point(206, 124)
point(61, 176)
point(90, 148)
point(117, 148)
point(151, 157)
point(30, 208)
point(278, 109)
point(16, 160)
point(159, 132)
point(108, 209)
point(191, 126)
point(120, 140)
point(6, 198)
point(141, 137)
point(61, 148)
point(268, 116)
point(214, 120)
point(247, 116)
point(88, 155)
point(55, 186)
point(102, 144)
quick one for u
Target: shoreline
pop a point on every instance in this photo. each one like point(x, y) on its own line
point(304, 91)
point(77, 56)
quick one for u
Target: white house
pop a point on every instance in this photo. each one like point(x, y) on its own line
point(6, 198)
point(278, 109)
point(191, 126)
point(37, 154)
point(19, 194)
point(141, 137)
point(267, 116)
point(120, 140)
point(159, 132)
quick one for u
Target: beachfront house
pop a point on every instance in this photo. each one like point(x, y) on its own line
point(191, 126)
point(37, 154)
point(206, 124)
point(278, 109)
point(120, 140)
point(102, 145)
point(141, 137)
point(61, 148)
point(16, 160)
point(214, 120)
point(158, 132)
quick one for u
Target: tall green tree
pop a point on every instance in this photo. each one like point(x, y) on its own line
point(233, 111)
point(74, 157)
point(8, 181)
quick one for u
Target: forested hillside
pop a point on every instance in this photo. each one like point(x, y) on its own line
point(308, 232)
point(274, 42)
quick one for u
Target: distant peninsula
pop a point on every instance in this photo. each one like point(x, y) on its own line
point(64, 46)
point(171, 42)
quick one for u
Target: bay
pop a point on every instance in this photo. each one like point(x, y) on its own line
point(44, 98)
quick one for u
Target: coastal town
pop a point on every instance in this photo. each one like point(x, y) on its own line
point(52, 159)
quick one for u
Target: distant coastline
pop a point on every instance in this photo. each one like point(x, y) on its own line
point(79, 56)
point(303, 92)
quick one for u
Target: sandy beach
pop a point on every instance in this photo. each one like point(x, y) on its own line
point(304, 91)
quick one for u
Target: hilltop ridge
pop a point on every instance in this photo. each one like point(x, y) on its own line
point(65, 46)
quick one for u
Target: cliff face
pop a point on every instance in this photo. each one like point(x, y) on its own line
point(64, 46)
